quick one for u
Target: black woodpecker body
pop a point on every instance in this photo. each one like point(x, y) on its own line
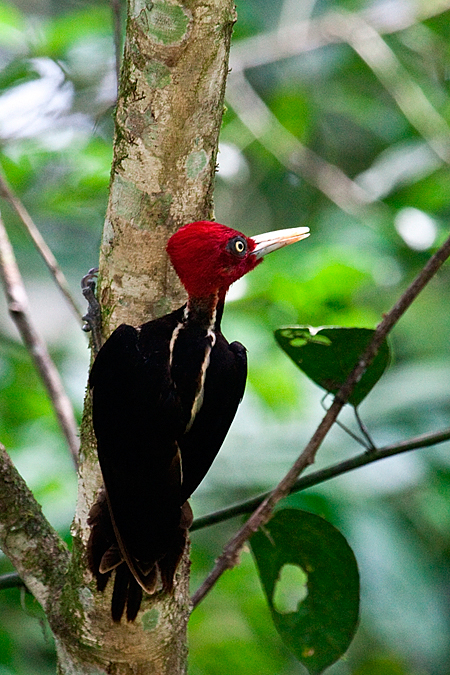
point(164, 396)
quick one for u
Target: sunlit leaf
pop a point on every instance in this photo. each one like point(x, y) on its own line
point(328, 356)
point(310, 577)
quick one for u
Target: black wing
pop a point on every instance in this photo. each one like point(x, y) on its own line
point(223, 391)
point(136, 421)
point(134, 416)
point(152, 454)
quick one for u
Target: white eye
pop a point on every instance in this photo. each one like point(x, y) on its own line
point(237, 246)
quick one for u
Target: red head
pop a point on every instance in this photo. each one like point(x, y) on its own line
point(209, 257)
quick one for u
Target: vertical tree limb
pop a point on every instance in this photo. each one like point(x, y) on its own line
point(168, 117)
point(167, 124)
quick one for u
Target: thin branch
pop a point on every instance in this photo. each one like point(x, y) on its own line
point(19, 311)
point(365, 432)
point(297, 158)
point(349, 432)
point(317, 477)
point(7, 193)
point(35, 549)
point(10, 580)
point(230, 554)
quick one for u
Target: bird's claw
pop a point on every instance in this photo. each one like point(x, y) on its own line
point(88, 281)
point(92, 317)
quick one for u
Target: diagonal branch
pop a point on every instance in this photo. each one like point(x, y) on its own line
point(7, 193)
point(362, 32)
point(19, 311)
point(229, 556)
point(35, 549)
point(317, 477)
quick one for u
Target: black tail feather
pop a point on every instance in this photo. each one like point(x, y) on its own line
point(120, 592)
point(100, 540)
point(134, 599)
point(149, 579)
point(104, 557)
point(168, 565)
point(110, 560)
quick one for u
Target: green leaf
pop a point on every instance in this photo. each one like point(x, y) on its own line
point(310, 577)
point(328, 356)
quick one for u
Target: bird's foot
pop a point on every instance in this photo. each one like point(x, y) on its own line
point(93, 316)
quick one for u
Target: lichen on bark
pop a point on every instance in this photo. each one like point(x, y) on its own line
point(167, 124)
point(33, 546)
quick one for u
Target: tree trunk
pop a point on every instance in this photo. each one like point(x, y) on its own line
point(168, 118)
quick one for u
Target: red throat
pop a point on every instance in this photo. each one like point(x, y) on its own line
point(201, 256)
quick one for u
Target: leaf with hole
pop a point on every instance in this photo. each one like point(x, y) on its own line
point(328, 355)
point(310, 577)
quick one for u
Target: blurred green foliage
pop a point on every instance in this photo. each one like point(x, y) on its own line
point(57, 90)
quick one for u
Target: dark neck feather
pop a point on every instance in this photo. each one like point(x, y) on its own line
point(205, 312)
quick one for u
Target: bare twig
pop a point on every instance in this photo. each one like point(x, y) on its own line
point(229, 557)
point(297, 158)
point(349, 432)
point(19, 311)
point(7, 193)
point(317, 477)
point(35, 549)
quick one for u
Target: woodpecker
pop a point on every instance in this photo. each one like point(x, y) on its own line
point(164, 396)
